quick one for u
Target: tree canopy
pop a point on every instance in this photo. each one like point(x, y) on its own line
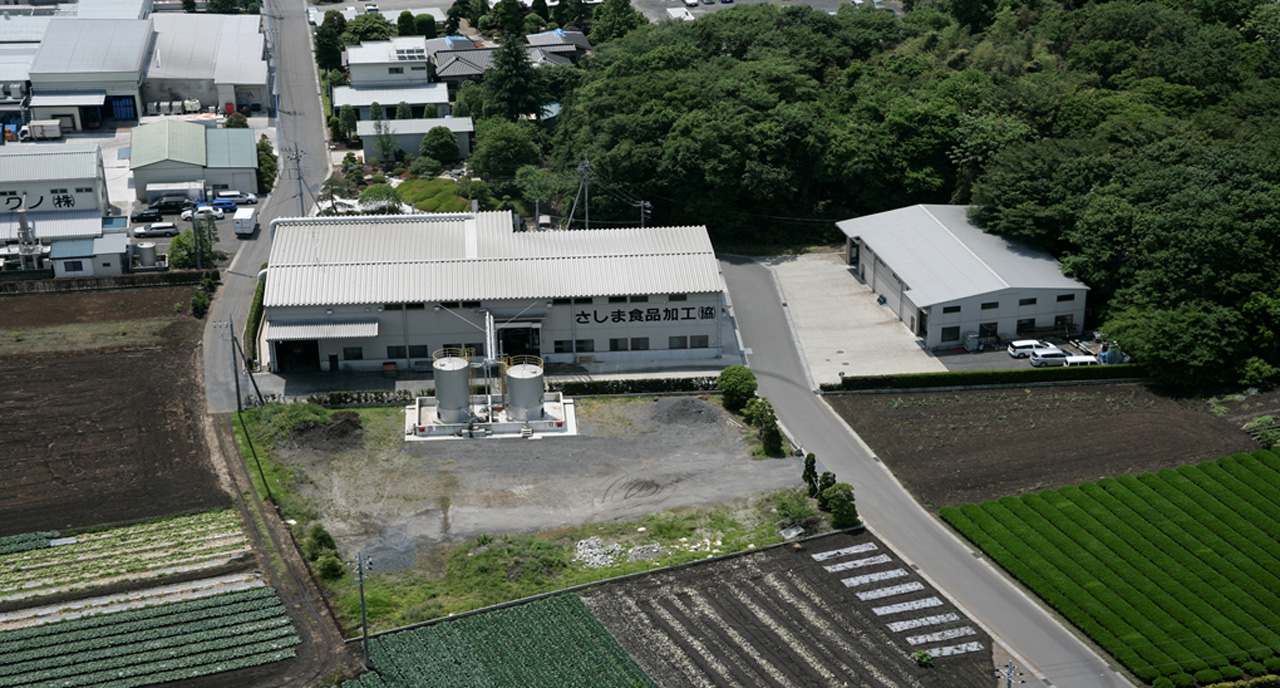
point(440, 143)
point(614, 19)
point(1137, 141)
point(512, 88)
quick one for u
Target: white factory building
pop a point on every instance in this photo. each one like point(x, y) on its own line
point(357, 293)
point(949, 281)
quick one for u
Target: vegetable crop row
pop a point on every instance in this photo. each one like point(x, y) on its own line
point(26, 541)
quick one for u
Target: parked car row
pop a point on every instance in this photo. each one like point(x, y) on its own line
point(1044, 354)
point(223, 201)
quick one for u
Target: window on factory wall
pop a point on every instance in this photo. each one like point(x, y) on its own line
point(395, 352)
point(1064, 322)
point(639, 343)
point(586, 345)
point(1027, 302)
point(73, 266)
point(415, 306)
point(561, 302)
point(419, 351)
point(395, 70)
point(617, 299)
point(639, 299)
point(699, 341)
point(1026, 324)
point(449, 304)
point(470, 304)
point(677, 342)
point(950, 309)
point(988, 329)
point(951, 334)
point(677, 297)
point(1066, 297)
point(393, 306)
point(563, 346)
point(618, 344)
point(353, 353)
point(990, 305)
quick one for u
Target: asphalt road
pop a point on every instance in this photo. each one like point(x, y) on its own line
point(1038, 641)
point(298, 124)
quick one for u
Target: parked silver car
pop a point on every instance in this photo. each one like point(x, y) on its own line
point(1025, 347)
point(1049, 357)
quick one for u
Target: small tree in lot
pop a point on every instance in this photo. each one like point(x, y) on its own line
point(810, 474)
point(827, 480)
point(844, 511)
point(737, 386)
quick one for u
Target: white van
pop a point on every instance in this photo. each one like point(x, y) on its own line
point(246, 221)
point(1080, 361)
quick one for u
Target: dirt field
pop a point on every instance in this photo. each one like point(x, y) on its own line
point(782, 618)
point(952, 448)
point(104, 435)
point(391, 498)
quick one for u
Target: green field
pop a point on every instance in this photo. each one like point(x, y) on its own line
point(159, 644)
point(1175, 572)
point(553, 642)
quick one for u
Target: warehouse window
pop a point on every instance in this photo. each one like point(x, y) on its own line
point(990, 305)
point(639, 299)
point(415, 306)
point(395, 352)
point(617, 299)
point(57, 191)
point(639, 343)
point(453, 346)
point(470, 304)
point(73, 266)
point(988, 329)
point(950, 309)
point(1027, 302)
point(677, 297)
point(1026, 324)
point(1066, 297)
point(395, 70)
point(1065, 322)
point(619, 344)
point(951, 334)
point(699, 341)
point(585, 345)
point(393, 306)
point(418, 68)
point(84, 189)
point(419, 351)
point(677, 342)
point(563, 346)
point(561, 302)
point(353, 353)
point(448, 304)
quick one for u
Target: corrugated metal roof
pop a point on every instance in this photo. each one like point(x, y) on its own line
point(340, 328)
point(73, 248)
point(168, 140)
point(23, 28)
point(398, 49)
point(229, 50)
point(25, 164)
point(364, 128)
point(115, 242)
point(15, 59)
point(942, 256)
point(230, 148)
point(113, 9)
point(70, 99)
point(390, 96)
point(58, 224)
point(82, 46)
point(468, 257)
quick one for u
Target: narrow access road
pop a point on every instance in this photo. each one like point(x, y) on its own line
point(303, 151)
point(1053, 653)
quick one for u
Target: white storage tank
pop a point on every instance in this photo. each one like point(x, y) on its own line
point(453, 385)
point(147, 254)
point(525, 388)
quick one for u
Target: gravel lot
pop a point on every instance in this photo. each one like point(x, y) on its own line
point(633, 457)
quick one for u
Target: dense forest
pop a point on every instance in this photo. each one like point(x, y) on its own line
point(1138, 142)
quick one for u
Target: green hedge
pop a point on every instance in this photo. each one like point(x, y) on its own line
point(255, 319)
point(641, 386)
point(987, 377)
point(368, 397)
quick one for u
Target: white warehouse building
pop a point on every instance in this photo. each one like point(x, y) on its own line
point(357, 293)
point(946, 279)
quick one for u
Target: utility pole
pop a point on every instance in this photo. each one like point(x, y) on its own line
point(585, 169)
point(297, 166)
point(644, 207)
point(1008, 674)
point(364, 619)
point(235, 371)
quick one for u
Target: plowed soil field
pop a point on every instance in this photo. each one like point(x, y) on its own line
point(953, 448)
point(108, 431)
point(841, 610)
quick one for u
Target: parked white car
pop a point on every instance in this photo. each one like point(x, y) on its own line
point(203, 211)
point(1049, 357)
point(239, 197)
point(164, 229)
point(1025, 347)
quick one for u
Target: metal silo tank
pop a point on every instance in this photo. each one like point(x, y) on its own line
point(525, 389)
point(453, 385)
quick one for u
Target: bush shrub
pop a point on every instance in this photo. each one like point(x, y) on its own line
point(1231, 673)
point(399, 172)
point(1162, 682)
point(199, 304)
point(1272, 665)
point(986, 377)
point(330, 567)
point(793, 508)
point(1254, 668)
point(649, 386)
point(1207, 676)
point(1265, 682)
point(840, 502)
point(771, 439)
point(255, 319)
point(1183, 681)
point(826, 480)
point(737, 385)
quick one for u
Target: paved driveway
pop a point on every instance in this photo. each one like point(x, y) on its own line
point(840, 327)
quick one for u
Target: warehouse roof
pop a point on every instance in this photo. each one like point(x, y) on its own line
point(168, 139)
point(331, 328)
point(113, 9)
point(389, 96)
point(115, 242)
point(81, 46)
point(230, 49)
point(28, 164)
point(423, 258)
point(15, 59)
point(365, 128)
point(230, 148)
point(941, 255)
point(23, 28)
point(58, 224)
